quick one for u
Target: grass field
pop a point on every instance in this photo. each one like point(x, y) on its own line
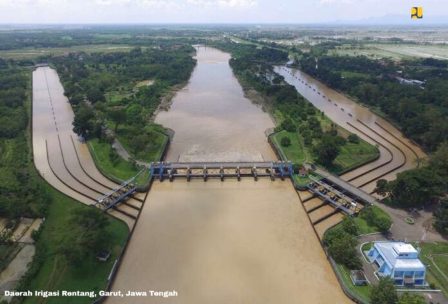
point(153, 150)
point(55, 273)
point(296, 152)
point(30, 53)
point(361, 292)
point(435, 256)
point(395, 51)
point(118, 169)
point(351, 155)
point(363, 226)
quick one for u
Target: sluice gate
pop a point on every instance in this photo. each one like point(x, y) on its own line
point(221, 170)
point(119, 194)
point(336, 198)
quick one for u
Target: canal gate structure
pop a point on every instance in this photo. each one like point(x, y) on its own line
point(221, 170)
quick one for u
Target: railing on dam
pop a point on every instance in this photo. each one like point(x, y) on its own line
point(222, 170)
point(121, 193)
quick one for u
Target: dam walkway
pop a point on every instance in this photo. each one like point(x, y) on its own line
point(222, 170)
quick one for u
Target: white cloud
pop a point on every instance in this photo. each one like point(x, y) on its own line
point(224, 3)
point(335, 1)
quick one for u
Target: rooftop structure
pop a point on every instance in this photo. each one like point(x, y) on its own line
point(398, 261)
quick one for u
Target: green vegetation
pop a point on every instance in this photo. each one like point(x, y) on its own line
point(110, 102)
point(31, 52)
point(370, 219)
point(360, 292)
point(112, 165)
point(147, 145)
point(392, 51)
point(411, 298)
point(24, 193)
point(311, 135)
point(373, 219)
point(295, 152)
point(422, 186)
point(384, 292)
point(20, 191)
point(342, 244)
point(7, 253)
point(421, 113)
point(435, 255)
point(51, 270)
point(104, 90)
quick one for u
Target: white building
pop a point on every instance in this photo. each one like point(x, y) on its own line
point(399, 261)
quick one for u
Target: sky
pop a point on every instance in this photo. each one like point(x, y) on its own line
point(211, 11)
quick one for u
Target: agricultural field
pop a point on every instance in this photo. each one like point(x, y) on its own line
point(394, 51)
point(30, 53)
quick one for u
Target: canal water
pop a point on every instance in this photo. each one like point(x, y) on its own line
point(224, 242)
point(397, 152)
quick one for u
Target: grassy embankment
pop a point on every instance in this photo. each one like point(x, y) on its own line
point(435, 257)
point(115, 167)
point(49, 269)
point(361, 292)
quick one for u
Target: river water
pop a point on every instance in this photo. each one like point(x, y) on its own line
point(212, 119)
point(224, 242)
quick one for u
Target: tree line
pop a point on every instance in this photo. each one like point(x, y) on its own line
point(20, 193)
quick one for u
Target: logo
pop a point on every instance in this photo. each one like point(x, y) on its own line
point(417, 12)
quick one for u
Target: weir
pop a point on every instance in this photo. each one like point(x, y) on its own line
point(119, 194)
point(222, 170)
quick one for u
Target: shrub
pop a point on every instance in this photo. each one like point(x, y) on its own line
point(353, 138)
point(288, 125)
point(285, 141)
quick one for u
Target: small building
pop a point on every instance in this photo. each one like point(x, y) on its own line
point(358, 277)
point(399, 261)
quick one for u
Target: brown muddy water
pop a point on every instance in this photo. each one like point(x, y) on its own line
point(397, 152)
point(60, 157)
point(224, 242)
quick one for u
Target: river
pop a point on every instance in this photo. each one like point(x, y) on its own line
point(224, 242)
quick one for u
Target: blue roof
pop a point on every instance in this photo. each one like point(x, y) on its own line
point(389, 253)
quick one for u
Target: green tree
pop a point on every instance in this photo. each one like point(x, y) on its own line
point(353, 138)
point(86, 236)
point(285, 141)
point(349, 226)
point(327, 150)
point(288, 125)
point(83, 124)
point(416, 187)
point(411, 298)
point(344, 251)
point(381, 187)
point(441, 217)
point(384, 292)
point(118, 116)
